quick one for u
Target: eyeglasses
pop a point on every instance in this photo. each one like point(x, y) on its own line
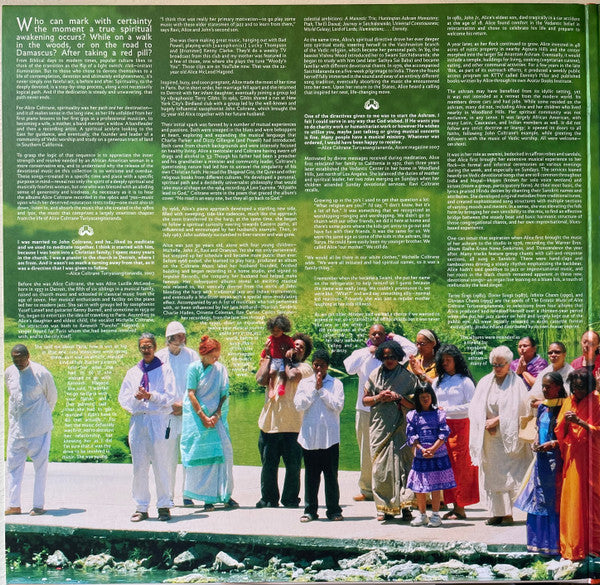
point(499, 365)
point(146, 346)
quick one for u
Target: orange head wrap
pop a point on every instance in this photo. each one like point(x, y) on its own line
point(207, 345)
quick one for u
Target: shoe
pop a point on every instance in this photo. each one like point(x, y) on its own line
point(406, 515)
point(231, 504)
point(209, 507)
point(37, 512)
point(288, 505)
point(506, 521)
point(12, 511)
point(420, 520)
point(262, 504)
point(164, 514)
point(435, 520)
point(362, 498)
point(139, 516)
point(494, 521)
point(336, 517)
point(188, 503)
point(454, 515)
point(308, 517)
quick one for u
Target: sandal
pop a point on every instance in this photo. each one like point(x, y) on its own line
point(308, 517)
point(336, 517)
point(231, 504)
point(139, 516)
point(209, 507)
point(164, 514)
point(454, 515)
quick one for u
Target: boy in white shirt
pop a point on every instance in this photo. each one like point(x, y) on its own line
point(321, 398)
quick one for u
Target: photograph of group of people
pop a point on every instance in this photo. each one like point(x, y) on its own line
point(525, 435)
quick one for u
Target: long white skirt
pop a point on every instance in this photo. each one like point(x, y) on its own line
point(502, 473)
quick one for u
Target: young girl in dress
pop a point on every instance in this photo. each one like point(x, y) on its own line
point(427, 431)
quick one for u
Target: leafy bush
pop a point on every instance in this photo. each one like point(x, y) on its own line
point(242, 385)
point(119, 452)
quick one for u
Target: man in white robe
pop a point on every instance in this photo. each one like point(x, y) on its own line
point(32, 397)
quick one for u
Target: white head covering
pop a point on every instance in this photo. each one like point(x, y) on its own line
point(173, 328)
point(428, 334)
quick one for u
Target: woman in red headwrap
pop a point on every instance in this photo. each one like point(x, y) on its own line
point(206, 451)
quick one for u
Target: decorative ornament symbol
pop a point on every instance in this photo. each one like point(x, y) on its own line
point(86, 230)
point(371, 104)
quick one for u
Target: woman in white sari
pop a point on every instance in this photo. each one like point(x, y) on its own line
point(503, 458)
point(206, 450)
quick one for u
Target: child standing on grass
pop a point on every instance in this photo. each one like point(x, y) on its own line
point(276, 347)
point(427, 431)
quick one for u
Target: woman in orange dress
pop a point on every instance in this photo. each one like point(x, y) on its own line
point(578, 434)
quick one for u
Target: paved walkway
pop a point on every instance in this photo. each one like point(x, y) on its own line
point(97, 497)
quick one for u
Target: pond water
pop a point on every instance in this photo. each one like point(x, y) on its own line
point(45, 575)
point(244, 410)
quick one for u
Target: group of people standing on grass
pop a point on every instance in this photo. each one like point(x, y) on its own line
point(553, 475)
point(299, 421)
point(425, 430)
point(178, 401)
